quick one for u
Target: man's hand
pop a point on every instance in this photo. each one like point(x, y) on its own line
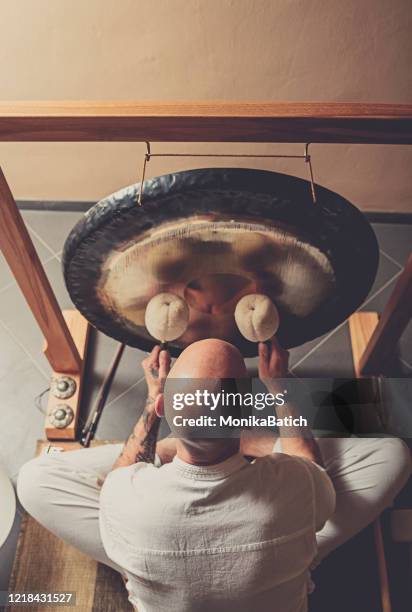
point(273, 364)
point(141, 444)
point(156, 367)
point(273, 361)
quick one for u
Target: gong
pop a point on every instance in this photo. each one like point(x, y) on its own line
point(212, 236)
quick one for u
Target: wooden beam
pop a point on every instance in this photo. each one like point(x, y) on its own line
point(79, 329)
point(361, 328)
point(333, 122)
point(20, 254)
point(392, 323)
point(382, 566)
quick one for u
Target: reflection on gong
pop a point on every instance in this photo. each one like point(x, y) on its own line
point(212, 236)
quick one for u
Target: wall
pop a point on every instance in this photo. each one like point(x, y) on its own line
point(358, 50)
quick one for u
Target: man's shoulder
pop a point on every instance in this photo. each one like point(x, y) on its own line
point(287, 461)
point(125, 477)
point(289, 466)
point(277, 461)
point(126, 490)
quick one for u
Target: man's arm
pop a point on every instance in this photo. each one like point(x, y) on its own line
point(141, 444)
point(273, 364)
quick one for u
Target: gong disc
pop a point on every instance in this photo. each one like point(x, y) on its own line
point(212, 236)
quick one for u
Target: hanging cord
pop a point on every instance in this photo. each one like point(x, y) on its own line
point(148, 155)
point(309, 163)
point(39, 403)
point(145, 161)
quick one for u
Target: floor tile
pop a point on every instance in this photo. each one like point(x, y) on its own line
point(17, 317)
point(52, 227)
point(299, 352)
point(7, 552)
point(405, 344)
point(11, 354)
point(332, 359)
point(395, 240)
point(120, 416)
point(21, 423)
point(101, 353)
point(6, 276)
point(386, 270)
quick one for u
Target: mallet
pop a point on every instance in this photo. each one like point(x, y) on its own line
point(257, 317)
point(166, 317)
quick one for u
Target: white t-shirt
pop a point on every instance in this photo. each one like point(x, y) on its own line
point(232, 536)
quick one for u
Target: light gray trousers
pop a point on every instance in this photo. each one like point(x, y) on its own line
point(62, 493)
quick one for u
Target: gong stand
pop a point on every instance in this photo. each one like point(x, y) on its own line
point(66, 334)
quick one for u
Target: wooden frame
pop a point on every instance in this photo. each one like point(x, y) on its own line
point(175, 122)
point(332, 122)
point(373, 340)
point(79, 329)
point(362, 326)
point(392, 323)
point(20, 254)
point(191, 122)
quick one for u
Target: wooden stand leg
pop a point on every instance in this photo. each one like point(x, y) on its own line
point(66, 336)
point(66, 389)
point(401, 529)
point(362, 326)
point(20, 254)
point(392, 323)
point(382, 567)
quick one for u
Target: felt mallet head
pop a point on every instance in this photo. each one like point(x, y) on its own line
point(166, 317)
point(257, 317)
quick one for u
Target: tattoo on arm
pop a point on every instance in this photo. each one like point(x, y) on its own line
point(141, 444)
point(147, 445)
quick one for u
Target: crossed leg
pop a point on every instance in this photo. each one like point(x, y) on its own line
point(367, 474)
point(61, 491)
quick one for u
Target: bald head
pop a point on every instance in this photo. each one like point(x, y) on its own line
point(210, 358)
point(204, 365)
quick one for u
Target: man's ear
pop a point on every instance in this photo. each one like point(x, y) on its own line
point(159, 405)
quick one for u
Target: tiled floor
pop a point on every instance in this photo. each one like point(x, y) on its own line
point(24, 371)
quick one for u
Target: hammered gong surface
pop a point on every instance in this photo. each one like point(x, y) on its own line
point(212, 236)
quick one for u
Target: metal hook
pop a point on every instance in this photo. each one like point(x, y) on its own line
point(309, 162)
point(148, 155)
point(146, 159)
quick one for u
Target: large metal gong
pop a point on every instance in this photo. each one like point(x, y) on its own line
point(212, 236)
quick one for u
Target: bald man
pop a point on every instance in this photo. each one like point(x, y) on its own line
point(208, 530)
